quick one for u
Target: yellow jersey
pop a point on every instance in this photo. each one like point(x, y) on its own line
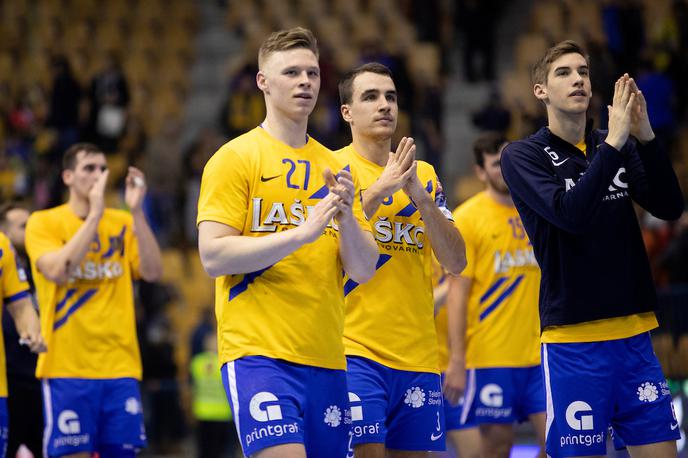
point(502, 322)
point(88, 323)
point(14, 287)
point(294, 309)
point(390, 319)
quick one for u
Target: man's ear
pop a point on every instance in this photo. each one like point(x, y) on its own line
point(346, 113)
point(67, 176)
point(261, 82)
point(480, 173)
point(540, 91)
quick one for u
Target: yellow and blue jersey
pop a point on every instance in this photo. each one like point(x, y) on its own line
point(14, 287)
point(502, 325)
point(390, 319)
point(88, 323)
point(294, 309)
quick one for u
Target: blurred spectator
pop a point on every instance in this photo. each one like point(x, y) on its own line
point(624, 28)
point(134, 142)
point(162, 166)
point(476, 20)
point(193, 162)
point(673, 262)
point(109, 100)
point(164, 418)
point(494, 116)
point(215, 432)
point(244, 108)
point(427, 115)
point(658, 90)
point(65, 98)
point(325, 122)
point(205, 327)
point(24, 400)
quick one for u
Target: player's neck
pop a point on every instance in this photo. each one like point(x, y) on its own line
point(78, 205)
point(289, 131)
point(500, 197)
point(569, 127)
point(374, 149)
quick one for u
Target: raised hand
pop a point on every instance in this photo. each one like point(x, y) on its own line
point(319, 217)
point(135, 189)
point(640, 121)
point(397, 170)
point(96, 196)
point(342, 187)
point(413, 187)
point(620, 112)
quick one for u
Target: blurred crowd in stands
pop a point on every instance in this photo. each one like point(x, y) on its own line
point(117, 73)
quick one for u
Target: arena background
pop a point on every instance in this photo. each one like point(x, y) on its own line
point(160, 84)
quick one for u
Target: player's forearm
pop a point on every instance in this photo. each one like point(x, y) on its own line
point(58, 265)
point(237, 254)
point(150, 259)
point(358, 250)
point(457, 302)
point(439, 295)
point(372, 198)
point(445, 239)
point(24, 316)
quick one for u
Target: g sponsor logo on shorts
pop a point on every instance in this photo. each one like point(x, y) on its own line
point(579, 418)
point(132, 406)
point(584, 422)
point(491, 395)
point(68, 424)
point(492, 398)
point(270, 412)
point(264, 407)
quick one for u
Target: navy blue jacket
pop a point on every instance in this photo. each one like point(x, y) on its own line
point(578, 212)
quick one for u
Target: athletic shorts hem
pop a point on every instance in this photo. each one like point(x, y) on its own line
point(251, 450)
point(655, 440)
point(441, 447)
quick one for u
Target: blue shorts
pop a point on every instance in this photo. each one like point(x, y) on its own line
point(4, 422)
point(452, 414)
point(591, 386)
point(276, 402)
point(400, 409)
point(502, 395)
point(85, 415)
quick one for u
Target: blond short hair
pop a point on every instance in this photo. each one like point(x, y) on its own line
point(284, 40)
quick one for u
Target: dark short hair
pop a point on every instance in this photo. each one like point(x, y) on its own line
point(541, 68)
point(8, 207)
point(487, 143)
point(284, 40)
point(346, 85)
point(69, 157)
